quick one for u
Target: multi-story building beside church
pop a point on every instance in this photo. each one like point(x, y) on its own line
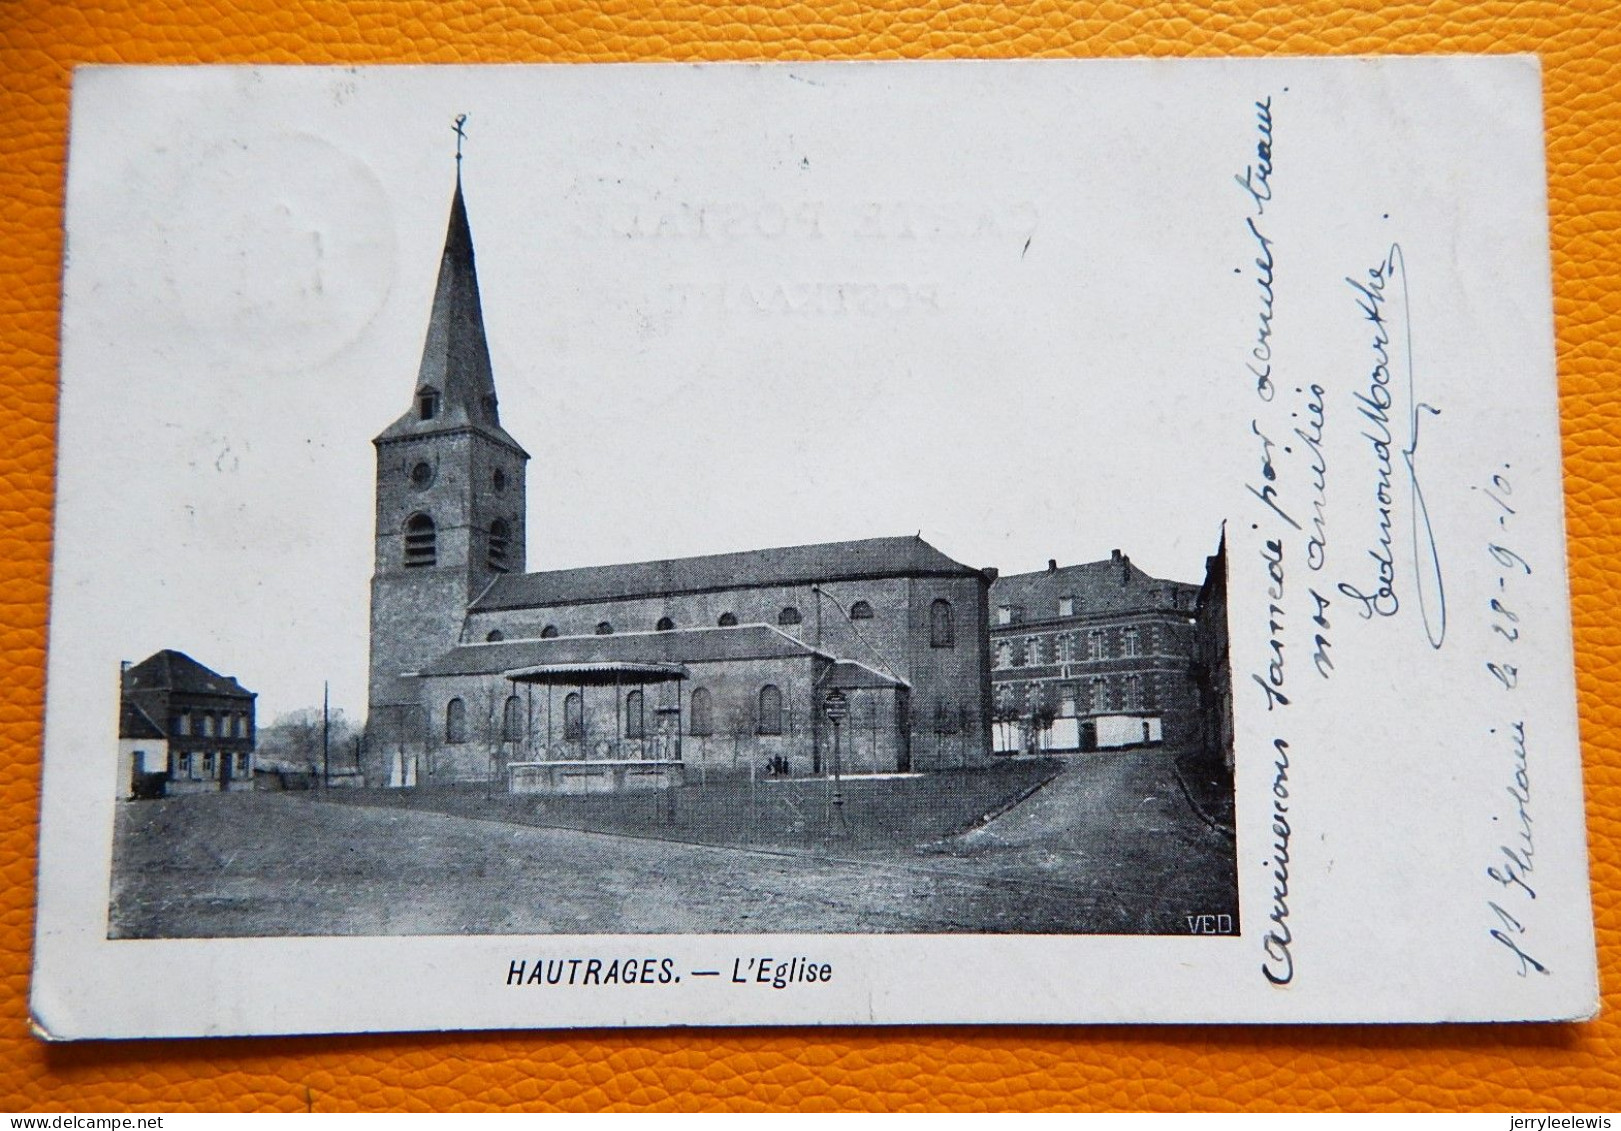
point(591, 678)
point(183, 728)
point(1093, 656)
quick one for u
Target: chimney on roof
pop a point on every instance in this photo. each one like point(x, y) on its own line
point(1052, 565)
point(1114, 555)
point(124, 665)
point(991, 573)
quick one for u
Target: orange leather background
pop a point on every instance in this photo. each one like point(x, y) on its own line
point(1516, 1067)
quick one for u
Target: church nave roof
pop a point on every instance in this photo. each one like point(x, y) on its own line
point(866, 559)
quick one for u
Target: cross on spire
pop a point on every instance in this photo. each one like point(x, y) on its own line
point(461, 135)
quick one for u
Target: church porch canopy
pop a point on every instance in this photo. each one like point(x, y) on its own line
point(609, 673)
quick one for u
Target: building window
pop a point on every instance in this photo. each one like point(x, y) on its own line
point(1134, 693)
point(1100, 696)
point(208, 724)
point(421, 474)
point(945, 718)
point(1128, 642)
point(420, 542)
point(242, 765)
point(209, 769)
point(512, 720)
point(455, 721)
point(727, 620)
point(573, 720)
point(500, 540)
point(703, 712)
point(635, 715)
point(861, 611)
point(1094, 644)
point(770, 709)
point(941, 634)
point(1032, 652)
point(427, 402)
point(549, 632)
point(1004, 614)
point(500, 480)
point(494, 636)
point(790, 615)
point(1066, 606)
point(605, 628)
point(182, 723)
point(239, 725)
point(1004, 654)
point(1066, 701)
point(188, 766)
point(665, 624)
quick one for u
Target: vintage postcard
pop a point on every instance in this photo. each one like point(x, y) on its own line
point(848, 543)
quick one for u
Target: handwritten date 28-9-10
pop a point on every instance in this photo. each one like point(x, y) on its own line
point(1504, 621)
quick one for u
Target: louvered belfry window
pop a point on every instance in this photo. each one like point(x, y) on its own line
point(500, 540)
point(421, 542)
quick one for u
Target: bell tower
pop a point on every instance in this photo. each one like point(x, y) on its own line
point(450, 495)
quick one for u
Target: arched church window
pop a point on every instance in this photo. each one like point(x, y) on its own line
point(512, 720)
point(703, 712)
point(605, 628)
point(573, 722)
point(727, 620)
point(455, 721)
point(941, 633)
point(549, 632)
point(495, 636)
point(861, 611)
point(500, 479)
point(421, 542)
point(770, 709)
point(635, 711)
point(500, 538)
point(665, 624)
point(427, 402)
point(790, 615)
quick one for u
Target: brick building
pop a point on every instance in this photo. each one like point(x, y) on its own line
point(183, 727)
point(710, 665)
point(1212, 667)
point(1093, 656)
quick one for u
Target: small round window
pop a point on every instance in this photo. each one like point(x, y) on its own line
point(500, 479)
point(421, 474)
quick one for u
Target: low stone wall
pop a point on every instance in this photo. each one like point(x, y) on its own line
point(593, 776)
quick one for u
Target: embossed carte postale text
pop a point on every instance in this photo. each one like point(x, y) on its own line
point(959, 542)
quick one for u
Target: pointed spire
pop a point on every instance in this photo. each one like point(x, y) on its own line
point(455, 386)
point(456, 355)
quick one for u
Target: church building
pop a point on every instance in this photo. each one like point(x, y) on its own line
point(649, 673)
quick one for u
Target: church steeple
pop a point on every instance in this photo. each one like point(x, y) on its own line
point(455, 387)
point(451, 494)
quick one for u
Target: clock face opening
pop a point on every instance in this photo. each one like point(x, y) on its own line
point(421, 474)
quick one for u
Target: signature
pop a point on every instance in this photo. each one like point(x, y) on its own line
point(1375, 405)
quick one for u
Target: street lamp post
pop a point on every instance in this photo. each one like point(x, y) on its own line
point(838, 709)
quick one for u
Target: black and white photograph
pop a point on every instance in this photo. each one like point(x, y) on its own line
point(677, 529)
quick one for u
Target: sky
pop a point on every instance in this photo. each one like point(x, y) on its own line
point(728, 307)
